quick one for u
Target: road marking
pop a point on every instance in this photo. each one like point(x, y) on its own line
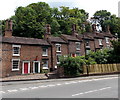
point(12, 90)
point(96, 79)
point(68, 83)
point(91, 91)
point(2, 92)
point(50, 85)
point(42, 86)
point(74, 82)
point(33, 87)
point(24, 89)
point(59, 84)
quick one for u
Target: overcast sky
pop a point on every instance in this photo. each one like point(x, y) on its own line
point(7, 7)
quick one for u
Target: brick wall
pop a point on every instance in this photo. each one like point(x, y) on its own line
point(27, 53)
point(64, 51)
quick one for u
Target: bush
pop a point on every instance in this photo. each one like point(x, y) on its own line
point(72, 65)
point(100, 56)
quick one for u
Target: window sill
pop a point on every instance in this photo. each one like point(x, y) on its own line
point(45, 55)
point(16, 55)
point(15, 69)
point(78, 49)
point(87, 46)
point(45, 67)
point(58, 62)
point(58, 51)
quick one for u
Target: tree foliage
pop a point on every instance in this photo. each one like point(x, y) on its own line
point(73, 66)
point(30, 21)
point(105, 18)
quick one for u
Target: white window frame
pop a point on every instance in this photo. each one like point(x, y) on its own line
point(58, 45)
point(87, 51)
point(56, 58)
point(18, 64)
point(77, 53)
point(87, 46)
point(19, 46)
point(107, 39)
point(46, 52)
point(77, 43)
point(100, 41)
point(46, 66)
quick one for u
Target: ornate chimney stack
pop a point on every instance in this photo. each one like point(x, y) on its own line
point(8, 28)
point(108, 29)
point(48, 31)
point(94, 28)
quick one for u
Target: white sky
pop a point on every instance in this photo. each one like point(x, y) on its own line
point(7, 7)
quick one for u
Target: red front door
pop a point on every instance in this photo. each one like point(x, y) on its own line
point(25, 68)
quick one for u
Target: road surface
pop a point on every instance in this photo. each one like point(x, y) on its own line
point(102, 87)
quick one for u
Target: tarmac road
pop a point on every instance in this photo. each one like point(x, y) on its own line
point(92, 87)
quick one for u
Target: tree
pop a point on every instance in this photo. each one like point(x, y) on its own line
point(31, 20)
point(72, 65)
point(115, 54)
point(106, 19)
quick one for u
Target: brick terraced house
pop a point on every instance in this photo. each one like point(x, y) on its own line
point(22, 55)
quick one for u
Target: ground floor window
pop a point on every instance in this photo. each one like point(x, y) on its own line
point(15, 64)
point(87, 51)
point(58, 58)
point(77, 53)
point(45, 64)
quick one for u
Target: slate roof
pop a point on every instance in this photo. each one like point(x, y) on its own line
point(70, 37)
point(23, 40)
point(107, 34)
point(86, 36)
point(56, 39)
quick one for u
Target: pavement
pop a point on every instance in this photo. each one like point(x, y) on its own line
point(30, 77)
point(25, 77)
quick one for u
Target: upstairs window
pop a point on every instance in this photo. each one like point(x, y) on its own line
point(77, 45)
point(100, 41)
point(15, 64)
point(87, 44)
point(58, 47)
point(16, 50)
point(45, 52)
point(107, 40)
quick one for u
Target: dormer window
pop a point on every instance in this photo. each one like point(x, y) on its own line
point(58, 47)
point(77, 45)
point(107, 40)
point(16, 50)
point(100, 41)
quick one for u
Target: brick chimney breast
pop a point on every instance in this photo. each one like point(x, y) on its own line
point(8, 28)
point(74, 33)
point(48, 31)
point(94, 28)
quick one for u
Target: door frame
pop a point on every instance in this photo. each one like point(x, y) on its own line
point(34, 66)
point(28, 66)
